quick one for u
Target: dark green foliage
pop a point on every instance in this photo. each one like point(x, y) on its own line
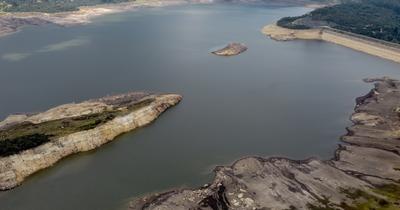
point(27, 135)
point(287, 22)
point(384, 197)
point(21, 143)
point(379, 20)
point(374, 18)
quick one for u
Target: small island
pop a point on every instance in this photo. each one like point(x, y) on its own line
point(231, 49)
point(29, 143)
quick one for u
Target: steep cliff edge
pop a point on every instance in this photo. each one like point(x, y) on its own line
point(364, 174)
point(33, 142)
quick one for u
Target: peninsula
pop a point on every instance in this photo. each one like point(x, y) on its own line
point(29, 143)
point(372, 46)
point(369, 26)
point(363, 174)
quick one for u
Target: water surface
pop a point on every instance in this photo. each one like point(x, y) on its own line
point(290, 99)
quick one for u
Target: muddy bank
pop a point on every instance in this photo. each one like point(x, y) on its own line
point(360, 43)
point(365, 173)
point(29, 143)
point(12, 22)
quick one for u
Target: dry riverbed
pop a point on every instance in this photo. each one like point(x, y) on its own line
point(29, 143)
point(363, 174)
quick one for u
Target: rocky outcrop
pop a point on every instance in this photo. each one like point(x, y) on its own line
point(364, 174)
point(122, 113)
point(231, 49)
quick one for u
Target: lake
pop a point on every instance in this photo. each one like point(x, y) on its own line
point(289, 99)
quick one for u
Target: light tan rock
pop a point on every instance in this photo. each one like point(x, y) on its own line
point(15, 168)
point(366, 45)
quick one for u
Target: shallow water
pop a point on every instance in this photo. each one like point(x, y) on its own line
point(290, 99)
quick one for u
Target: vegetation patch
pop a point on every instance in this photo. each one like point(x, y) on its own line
point(27, 135)
point(288, 22)
point(22, 143)
point(385, 197)
point(378, 19)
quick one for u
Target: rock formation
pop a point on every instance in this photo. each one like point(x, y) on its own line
point(33, 142)
point(364, 174)
point(231, 49)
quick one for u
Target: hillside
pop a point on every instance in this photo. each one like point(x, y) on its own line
point(374, 18)
point(50, 6)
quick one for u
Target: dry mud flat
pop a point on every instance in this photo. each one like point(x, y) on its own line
point(364, 174)
point(29, 143)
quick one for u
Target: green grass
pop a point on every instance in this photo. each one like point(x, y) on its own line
point(28, 135)
point(385, 197)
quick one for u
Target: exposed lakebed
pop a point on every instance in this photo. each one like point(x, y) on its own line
point(291, 99)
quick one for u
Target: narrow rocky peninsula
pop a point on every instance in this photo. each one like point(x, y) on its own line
point(383, 49)
point(29, 143)
point(363, 174)
point(231, 49)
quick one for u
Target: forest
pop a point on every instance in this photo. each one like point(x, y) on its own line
point(374, 18)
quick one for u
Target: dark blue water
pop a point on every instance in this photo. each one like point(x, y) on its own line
point(278, 98)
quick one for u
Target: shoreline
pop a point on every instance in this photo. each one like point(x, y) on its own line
point(382, 49)
point(364, 172)
point(34, 142)
point(12, 22)
point(231, 49)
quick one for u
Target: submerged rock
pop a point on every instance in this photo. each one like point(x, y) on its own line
point(29, 143)
point(364, 174)
point(231, 49)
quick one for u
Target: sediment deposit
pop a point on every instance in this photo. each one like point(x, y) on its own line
point(33, 142)
point(363, 174)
